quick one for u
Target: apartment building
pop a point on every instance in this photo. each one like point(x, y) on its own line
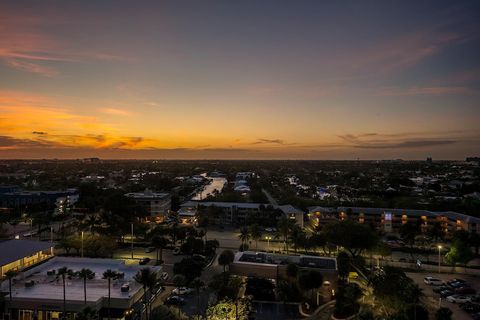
point(157, 204)
point(390, 220)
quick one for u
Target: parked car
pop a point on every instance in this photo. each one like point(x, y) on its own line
point(470, 307)
point(182, 291)
point(465, 291)
point(456, 285)
point(456, 280)
point(456, 298)
point(440, 289)
point(164, 276)
point(175, 300)
point(431, 281)
point(144, 261)
point(446, 293)
point(176, 251)
point(149, 249)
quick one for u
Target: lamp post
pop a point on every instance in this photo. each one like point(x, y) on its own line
point(131, 243)
point(439, 257)
point(268, 242)
point(82, 244)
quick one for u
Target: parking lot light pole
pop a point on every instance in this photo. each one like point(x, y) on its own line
point(82, 244)
point(268, 242)
point(439, 257)
point(132, 242)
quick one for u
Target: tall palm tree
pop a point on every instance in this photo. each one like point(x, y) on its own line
point(10, 274)
point(147, 278)
point(63, 273)
point(244, 236)
point(285, 226)
point(109, 275)
point(198, 285)
point(256, 234)
point(91, 222)
point(86, 274)
point(298, 237)
point(159, 243)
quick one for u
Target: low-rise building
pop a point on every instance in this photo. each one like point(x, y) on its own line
point(237, 212)
point(156, 204)
point(38, 292)
point(19, 254)
point(390, 220)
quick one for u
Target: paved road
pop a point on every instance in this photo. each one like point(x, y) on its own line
point(270, 198)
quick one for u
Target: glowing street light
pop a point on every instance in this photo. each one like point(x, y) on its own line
point(268, 242)
point(82, 244)
point(439, 257)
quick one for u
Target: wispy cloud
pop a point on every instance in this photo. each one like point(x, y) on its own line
point(115, 111)
point(413, 91)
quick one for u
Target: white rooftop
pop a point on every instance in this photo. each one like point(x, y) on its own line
point(47, 287)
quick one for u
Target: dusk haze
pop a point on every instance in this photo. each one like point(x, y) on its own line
point(316, 80)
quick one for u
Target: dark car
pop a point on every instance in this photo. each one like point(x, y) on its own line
point(456, 285)
point(440, 289)
point(456, 280)
point(447, 293)
point(465, 290)
point(144, 261)
point(175, 300)
point(470, 307)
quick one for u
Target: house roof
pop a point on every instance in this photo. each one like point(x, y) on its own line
point(12, 250)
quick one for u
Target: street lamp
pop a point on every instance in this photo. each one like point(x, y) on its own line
point(82, 244)
point(268, 242)
point(439, 257)
point(131, 243)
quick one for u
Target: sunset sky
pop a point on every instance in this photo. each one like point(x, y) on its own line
point(240, 79)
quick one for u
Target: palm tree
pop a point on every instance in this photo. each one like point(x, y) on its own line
point(87, 313)
point(159, 243)
point(225, 258)
point(109, 275)
point(256, 234)
point(244, 235)
point(147, 278)
point(298, 237)
point(63, 273)
point(285, 226)
point(415, 294)
point(92, 222)
point(10, 274)
point(86, 274)
point(198, 285)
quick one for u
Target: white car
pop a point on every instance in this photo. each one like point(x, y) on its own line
point(456, 298)
point(182, 291)
point(164, 276)
point(431, 281)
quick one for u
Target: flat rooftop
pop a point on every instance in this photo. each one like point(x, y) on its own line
point(47, 287)
point(13, 250)
point(325, 263)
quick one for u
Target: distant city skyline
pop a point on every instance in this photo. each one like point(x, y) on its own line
point(240, 80)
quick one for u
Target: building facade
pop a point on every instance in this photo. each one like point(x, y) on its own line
point(156, 204)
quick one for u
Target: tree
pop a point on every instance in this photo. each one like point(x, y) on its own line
point(198, 284)
point(409, 231)
point(443, 314)
point(189, 268)
point(159, 243)
point(244, 235)
point(86, 274)
point(460, 253)
point(298, 237)
point(474, 240)
point(147, 278)
point(292, 270)
point(226, 258)
point(351, 235)
point(285, 226)
point(10, 274)
point(87, 313)
point(63, 273)
point(179, 280)
point(256, 234)
point(109, 275)
point(309, 280)
point(343, 265)
point(164, 312)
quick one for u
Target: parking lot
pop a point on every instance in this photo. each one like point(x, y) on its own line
point(436, 300)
